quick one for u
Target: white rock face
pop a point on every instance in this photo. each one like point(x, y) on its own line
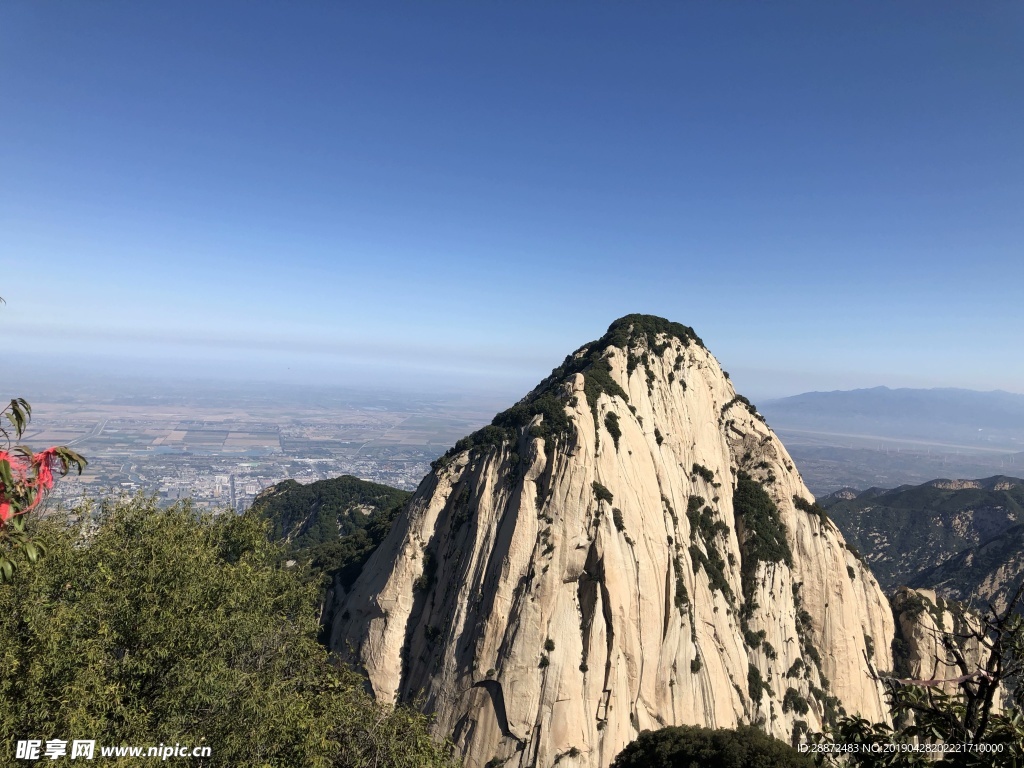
point(540, 623)
point(925, 621)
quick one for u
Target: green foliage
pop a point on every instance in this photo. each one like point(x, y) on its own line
point(995, 741)
point(682, 597)
point(810, 651)
point(668, 508)
point(854, 551)
point(811, 509)
point(804, 627)
point(633, 360)
point(620, 524)
point(548, 406)
point(705, 528)
point(900, 654)
point(597, 379)
point(549, 645)
point(333, 526)
point(340, 562)
point(699, 470)
point(318, 513)
point(17, 414)
point(631, 330)
point(695, 665)
point(755, 684)
point(461, 507)
point(794, 702)
point(164, 626)
point(694, 747)
point(800, 730)
point(602, 493)
point(912, 604)
point(17, 548)
point(714, 567)
point(627, 333)
point(803, 620)
point(505, 426)
point(426, 579)
point(763, 536)
point(740, 399)
point(658, 437)
point(705, 524)
point(611, 423)
point(763, 531)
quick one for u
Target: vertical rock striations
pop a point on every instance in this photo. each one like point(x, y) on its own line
point(628, 547)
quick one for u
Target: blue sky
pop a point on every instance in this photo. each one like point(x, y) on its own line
point(448, 194)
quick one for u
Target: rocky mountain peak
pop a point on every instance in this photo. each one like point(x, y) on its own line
point(629, 546)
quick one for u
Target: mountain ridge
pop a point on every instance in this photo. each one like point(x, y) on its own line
point(908, 531)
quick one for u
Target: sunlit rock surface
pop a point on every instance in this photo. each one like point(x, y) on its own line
point(543, 618)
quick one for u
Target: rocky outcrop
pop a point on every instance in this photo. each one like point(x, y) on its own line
point(954, 485)
point(628, 547)
point(926, 625)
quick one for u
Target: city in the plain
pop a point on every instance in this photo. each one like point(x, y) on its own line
point(222, 454)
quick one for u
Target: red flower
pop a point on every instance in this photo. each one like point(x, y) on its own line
point(31, 476)
point(42, 462)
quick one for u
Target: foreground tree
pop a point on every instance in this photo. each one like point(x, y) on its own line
point(146, 625)
point(968, 729)
point(694, 747)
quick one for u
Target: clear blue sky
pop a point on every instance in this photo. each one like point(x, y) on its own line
point(832, 194)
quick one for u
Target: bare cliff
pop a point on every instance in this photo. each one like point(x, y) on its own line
point(628, 547)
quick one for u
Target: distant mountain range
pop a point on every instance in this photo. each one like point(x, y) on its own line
point(987, 573)
point(963, 538)
point(944, 416)
point(892, 437)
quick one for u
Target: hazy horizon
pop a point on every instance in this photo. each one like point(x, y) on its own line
point(501, 386)
point(454, 197)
